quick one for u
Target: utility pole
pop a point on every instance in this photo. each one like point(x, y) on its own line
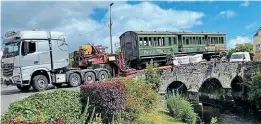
point(110, 28)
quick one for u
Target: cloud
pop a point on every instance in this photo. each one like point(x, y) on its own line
point(238, 40)
point(76, 18)
point(244, 4)
point(227, 13)
point(251, 25)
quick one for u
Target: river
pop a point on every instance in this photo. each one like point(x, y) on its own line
point(232, 115)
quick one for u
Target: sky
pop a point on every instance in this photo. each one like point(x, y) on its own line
point(87, 21)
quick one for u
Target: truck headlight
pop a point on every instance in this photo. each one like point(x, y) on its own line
point(16, 78)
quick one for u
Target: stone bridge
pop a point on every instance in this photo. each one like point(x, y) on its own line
point(215, 80)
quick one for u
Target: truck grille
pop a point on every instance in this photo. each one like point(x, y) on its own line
point(8, 69)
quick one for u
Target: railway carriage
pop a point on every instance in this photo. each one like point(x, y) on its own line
point(140, 47)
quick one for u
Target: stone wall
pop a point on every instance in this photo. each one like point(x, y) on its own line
point(194, 75)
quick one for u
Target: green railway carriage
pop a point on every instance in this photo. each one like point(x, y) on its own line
point(139, 47)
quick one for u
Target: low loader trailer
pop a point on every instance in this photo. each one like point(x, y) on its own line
point(39, 58)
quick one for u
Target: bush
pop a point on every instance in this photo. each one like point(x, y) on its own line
point(107, 97)
point(152, 77)
point(140, 97)
point(13, 121)
point(181, 109)
point(255, 90)
point(43, 107)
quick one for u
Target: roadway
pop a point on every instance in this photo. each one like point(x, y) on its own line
point(10, 94)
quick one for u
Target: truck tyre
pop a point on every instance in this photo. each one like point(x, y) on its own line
point(74, 80)
point(24, 88)
point(103, 75)
point(89, 77)
point(40, 83)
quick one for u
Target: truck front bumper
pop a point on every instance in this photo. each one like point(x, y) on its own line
point(13, 80)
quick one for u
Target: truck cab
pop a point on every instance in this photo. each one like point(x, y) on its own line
point(39, 58)
point(240, 57)
point(27, 57)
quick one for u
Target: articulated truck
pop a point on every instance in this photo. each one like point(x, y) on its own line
point(38, 58)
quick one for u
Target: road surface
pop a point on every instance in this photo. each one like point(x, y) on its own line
point(10, 94)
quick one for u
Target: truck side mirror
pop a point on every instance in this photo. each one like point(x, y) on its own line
point(25, 48)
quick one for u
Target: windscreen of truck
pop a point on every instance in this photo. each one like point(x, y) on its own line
point(237, 56)
point(11, 49)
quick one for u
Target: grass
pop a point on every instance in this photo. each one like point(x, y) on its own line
point(159, 115)
point(163, 117)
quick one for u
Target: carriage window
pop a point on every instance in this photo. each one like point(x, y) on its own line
point(216, 40)
point(222, 40)
point(155, 42)
point(145, 41)
point(170, 41)
point(149, 41)
point(140, 40)
point(187, 41)
point(163, 41)
point(175, 40)
point(200, 40)
point(212, 40)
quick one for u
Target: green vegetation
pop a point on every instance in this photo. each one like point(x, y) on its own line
point(255, 92)
point(152, 77)
point(44, 107)
point(118, 50)
point(214, 120)
point(107, 97)
point(120, 100)
point(140, 98)
point(246, 47)
point(181, 109)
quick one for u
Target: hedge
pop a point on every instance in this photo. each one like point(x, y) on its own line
point(107, 97)
point(140, 97)
point(46, 107)
point(14, 121)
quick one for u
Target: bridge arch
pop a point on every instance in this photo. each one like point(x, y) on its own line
point(211, 88)
point(177, 87)
point(210, 85)
point(239, 89)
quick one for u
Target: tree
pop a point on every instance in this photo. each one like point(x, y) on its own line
point(118, 50)
point(152, 77)
point(255, 90)
point(246, 47)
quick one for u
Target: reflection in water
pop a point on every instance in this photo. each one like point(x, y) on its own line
point(237, 115)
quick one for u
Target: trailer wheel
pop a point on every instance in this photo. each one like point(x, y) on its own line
point(74, 80)
point(89, 77)
point(24, 88)
point(40, 83)
point(103, 75)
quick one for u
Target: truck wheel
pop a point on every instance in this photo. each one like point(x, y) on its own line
point(89, 77)
point(103, 75)
point(40, 83)
point(24, 88)
point(74, 80)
